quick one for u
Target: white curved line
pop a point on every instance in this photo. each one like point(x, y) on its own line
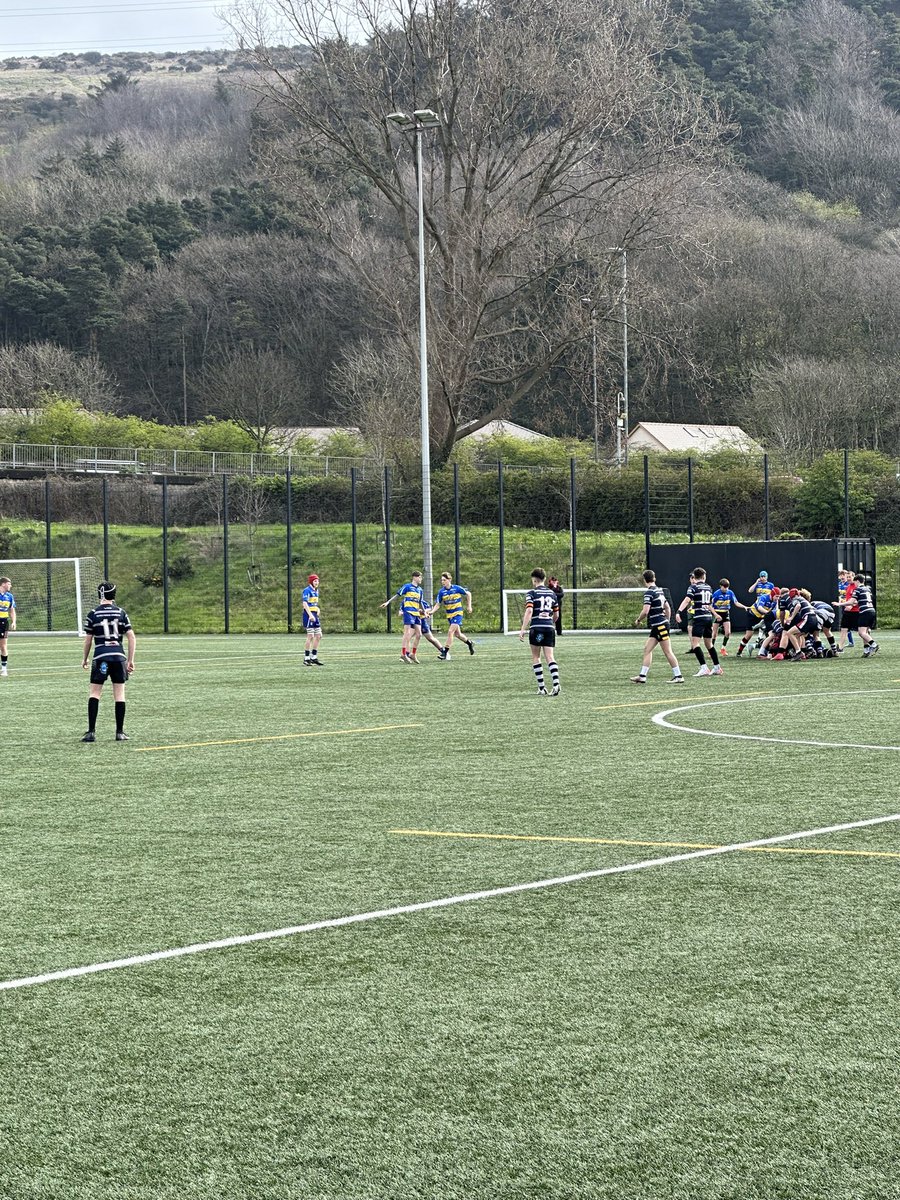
point(660, 719)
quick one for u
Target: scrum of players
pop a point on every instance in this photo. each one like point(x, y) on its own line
point(786, 623)
point(790, 625)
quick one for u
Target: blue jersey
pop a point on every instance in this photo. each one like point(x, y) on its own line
point(7, 605)
point(722, 600)
point(411, 600)
point(452, 598)
point(311, 599)
point(765, 599)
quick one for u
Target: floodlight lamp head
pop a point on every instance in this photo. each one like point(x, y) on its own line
point(425, 116)
point(398, 118)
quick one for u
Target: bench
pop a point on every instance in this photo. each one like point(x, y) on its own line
point(109, 466)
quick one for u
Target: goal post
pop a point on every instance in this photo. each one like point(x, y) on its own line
point(53, 595)
point(584, 610)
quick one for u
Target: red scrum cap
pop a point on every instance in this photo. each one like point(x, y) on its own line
point(312, 579)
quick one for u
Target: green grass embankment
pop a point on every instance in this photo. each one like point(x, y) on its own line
point(257, 569)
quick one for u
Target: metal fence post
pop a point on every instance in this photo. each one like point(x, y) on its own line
point(647, 510)
point(387, 543)
point(354, 566)
point(289, 548)
point(846, 493)
point(455, 522)
point(690, 500)
point(226, 596)
point(105, 528)
point(48, 550)
point(500, 523)
point(573, 534)
point(165, 550)
point(767, 527)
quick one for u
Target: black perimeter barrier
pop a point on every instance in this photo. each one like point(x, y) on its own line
point(801, 564)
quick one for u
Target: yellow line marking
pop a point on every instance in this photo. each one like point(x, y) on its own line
point(667, 700)
point(523, 837)
point(275, 737)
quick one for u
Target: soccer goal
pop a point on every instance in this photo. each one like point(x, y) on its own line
point(584, 610)
point(53, 595)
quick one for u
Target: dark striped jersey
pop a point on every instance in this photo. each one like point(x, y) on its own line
point(798, 610)
point(655, 603)
point(700, 596)
point(544, 607)
point(825, 611)
point(863, 596)
point(107, 624)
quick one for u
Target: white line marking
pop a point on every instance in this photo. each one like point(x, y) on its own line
point(445, 902)
point(660, 719)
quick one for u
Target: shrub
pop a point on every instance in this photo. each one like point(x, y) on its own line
point(820, 498)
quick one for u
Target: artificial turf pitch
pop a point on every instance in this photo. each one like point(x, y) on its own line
point(718, 1027)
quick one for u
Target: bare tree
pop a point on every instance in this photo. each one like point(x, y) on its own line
point(378, 386)
point(560, 136)
point(257, 389)
point(804, 406)
point(837, 137)
point(31, 373)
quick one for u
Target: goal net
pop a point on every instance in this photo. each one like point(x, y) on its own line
point(53, 595)
point(584, 610)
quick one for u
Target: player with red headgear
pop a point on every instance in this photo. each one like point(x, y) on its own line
point(311, 622)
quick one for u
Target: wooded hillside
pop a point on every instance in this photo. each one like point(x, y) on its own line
point(238, 238)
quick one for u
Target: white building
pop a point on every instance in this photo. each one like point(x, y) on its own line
point(660, 436)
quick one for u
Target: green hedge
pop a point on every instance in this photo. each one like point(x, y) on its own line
point(728, 498)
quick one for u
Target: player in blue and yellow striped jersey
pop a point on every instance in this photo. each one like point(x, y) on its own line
point(723, 598)
point(412, 602)
point(761, 612)
point(423, 630)
point(453, 596)
point(7, 620)
point(312, 622)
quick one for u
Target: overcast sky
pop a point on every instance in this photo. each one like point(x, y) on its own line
point(52, 26)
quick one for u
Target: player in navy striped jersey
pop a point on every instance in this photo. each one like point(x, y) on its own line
point(105, 627)
point(539, 622)
point(865, 618)
point(799, 621)
point(699, 598)
point(657, 613)
point(826, 614)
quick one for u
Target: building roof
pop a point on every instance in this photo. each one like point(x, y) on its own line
point(661, 435)
point(506, 429)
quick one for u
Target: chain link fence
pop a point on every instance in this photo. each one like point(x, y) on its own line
point(231, 552)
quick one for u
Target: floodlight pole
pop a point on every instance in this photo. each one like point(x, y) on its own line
point(417, 123)
point(589, 300)
point(622, 456)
